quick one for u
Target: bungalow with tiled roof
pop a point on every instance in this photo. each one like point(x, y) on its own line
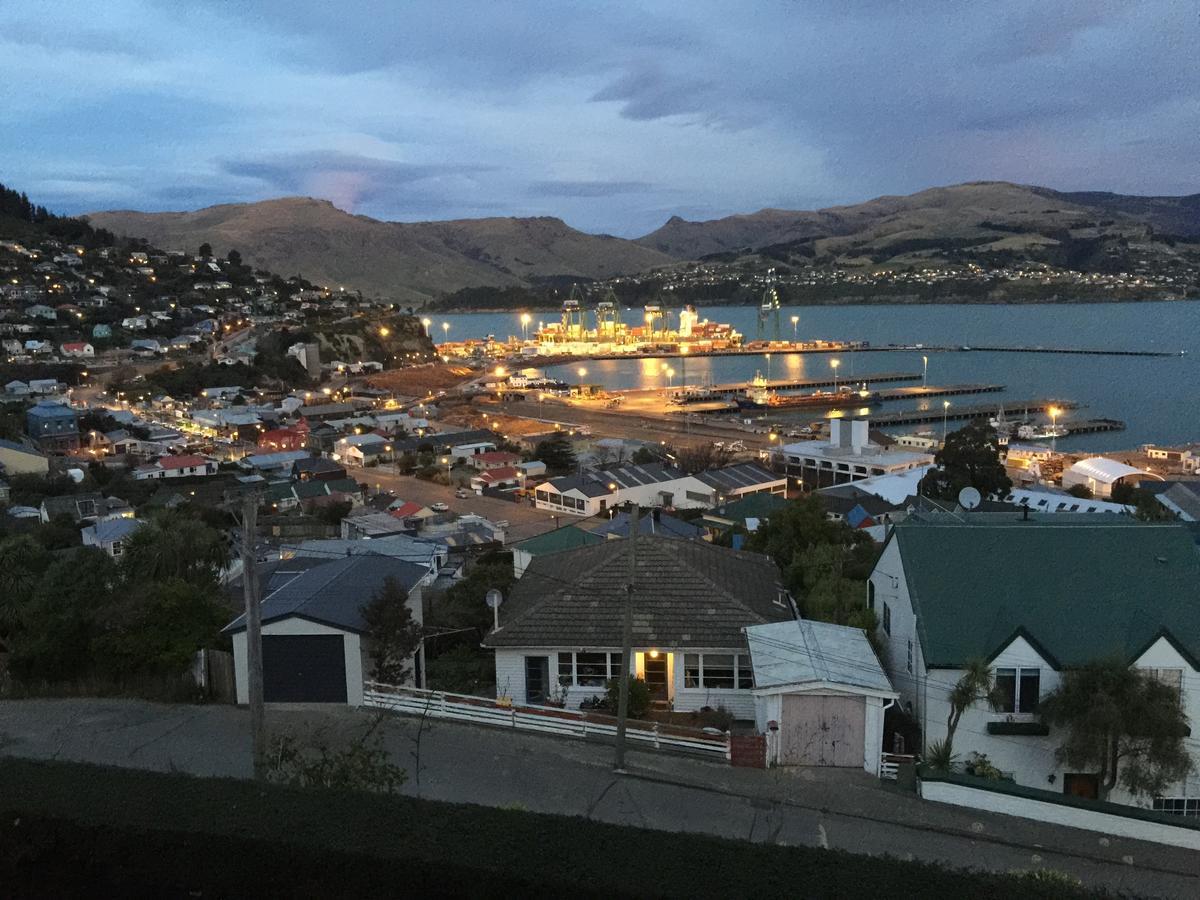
point(183, 466)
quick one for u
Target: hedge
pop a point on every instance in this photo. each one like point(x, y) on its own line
point(69, 829)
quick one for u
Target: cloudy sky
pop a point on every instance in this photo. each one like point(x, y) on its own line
point(613, 116)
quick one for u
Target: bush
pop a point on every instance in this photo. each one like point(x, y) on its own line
point(980, 766)
point(639, 696)
point(720, 718)
point(940, 757)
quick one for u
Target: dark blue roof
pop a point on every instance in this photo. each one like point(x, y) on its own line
point(48, 409)
point(334, 593)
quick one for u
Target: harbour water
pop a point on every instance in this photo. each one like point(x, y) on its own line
point(1157, 397)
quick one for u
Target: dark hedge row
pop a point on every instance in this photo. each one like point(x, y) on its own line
point(69, 829)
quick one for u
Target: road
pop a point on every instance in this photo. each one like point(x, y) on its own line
point(524, 520)
point(461, 763)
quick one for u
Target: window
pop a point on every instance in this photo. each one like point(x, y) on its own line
point(910, 657)
point(116, 548)
point(591, 669)
point(718, 670)
point(566, 668)
point(1179, 806)
point(1019, 689)
point(887, 619)
point(871, 595)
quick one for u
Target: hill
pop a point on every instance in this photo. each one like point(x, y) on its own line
point(410, 262)
point(943, 218)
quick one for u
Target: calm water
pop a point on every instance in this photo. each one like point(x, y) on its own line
point(1158, 398)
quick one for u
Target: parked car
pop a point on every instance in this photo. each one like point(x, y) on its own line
point(461, 494)
point(439, 507)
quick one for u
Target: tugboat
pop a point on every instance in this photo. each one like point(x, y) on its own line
point(759, 396)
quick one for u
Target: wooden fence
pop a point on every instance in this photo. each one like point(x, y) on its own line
point(544, 719)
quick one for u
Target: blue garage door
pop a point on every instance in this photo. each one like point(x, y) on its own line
point(304, 668)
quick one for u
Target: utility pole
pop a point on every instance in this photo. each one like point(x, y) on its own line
point(254, 666)
point(627, 643)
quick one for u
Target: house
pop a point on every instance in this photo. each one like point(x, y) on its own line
point(499, 479)
point(176, 467)
point(18, 459)
point(742, 480)
point(494, 459)
point(747, 513)
point(569, 537)
point(596, 490)
point(560, 633)
point(283, 439)
point(655, 523)
point(268, 463)
point(1033, 596)
point(90, 506)
point(361, 449)
point(819, 694)
point(100, 331)
point(1183, 459)
point(366, 523)
point(110, 535)
point(409, 510)
point(1180, 497)
point(314, 643)
point(53, 426)
point(78, 349)
point(317, 468)
point(1100, 475)
point(433, 556)
point(849, 455)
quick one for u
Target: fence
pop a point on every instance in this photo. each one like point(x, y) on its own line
point(544, 719)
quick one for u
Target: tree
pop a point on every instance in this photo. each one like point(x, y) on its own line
point(235, 258)
point(1080, 491)
point(205, 250)
point(557, 453)
point(392, 635)
point(1121, 723)
point(969, 458)
point(175, 545)
point(699, 457)
point(643, 456)
point(974, 686)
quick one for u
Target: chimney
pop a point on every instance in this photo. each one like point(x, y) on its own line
point(859, 434)
point(835, 432)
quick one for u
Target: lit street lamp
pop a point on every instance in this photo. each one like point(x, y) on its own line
point(526, 318)
point(795, 329)
point(945, 418)
point(924, 371)
point(446, 330)
point(426, 323)
point(670, 376)
point(835, 363)
point(449, 463)
point(768, 355)
point(1054, 413)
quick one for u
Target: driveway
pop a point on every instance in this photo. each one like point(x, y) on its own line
point(468, 764)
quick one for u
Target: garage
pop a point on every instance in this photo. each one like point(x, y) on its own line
point(819, 694)
point(304, 668)
point(821, 730)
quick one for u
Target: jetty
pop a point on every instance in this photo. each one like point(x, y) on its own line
point(958, 412)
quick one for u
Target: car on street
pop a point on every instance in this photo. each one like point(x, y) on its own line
point(462, 494)
point(439, 507)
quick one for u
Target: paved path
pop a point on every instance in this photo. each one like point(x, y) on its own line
point(467, 764)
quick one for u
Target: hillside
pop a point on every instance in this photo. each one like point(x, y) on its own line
point(410, 262)
point(938, 218)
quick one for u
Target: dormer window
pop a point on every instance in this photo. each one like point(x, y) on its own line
point(1019, 689)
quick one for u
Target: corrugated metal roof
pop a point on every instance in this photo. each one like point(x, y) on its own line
point(1105, 470)
point(804, 652)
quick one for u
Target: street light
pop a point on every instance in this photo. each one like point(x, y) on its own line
point(426, 323)
point(768, 355)
point(526, 318)
point(670, 376)
point(924, 371)
point(446, 330)
point(795, 329)
point(448, 463)
point(945, 417)
point(1054, 413)
point(835, 363)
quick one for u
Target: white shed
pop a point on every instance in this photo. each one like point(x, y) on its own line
point(819, 694)
point(1099, 474)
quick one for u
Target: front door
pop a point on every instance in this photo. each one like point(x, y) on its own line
point(656, 676)
point(1077, 785)
point(537, 679)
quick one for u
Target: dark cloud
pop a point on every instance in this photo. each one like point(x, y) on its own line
point(588, 188)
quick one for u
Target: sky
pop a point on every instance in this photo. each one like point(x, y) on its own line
point(612, 116)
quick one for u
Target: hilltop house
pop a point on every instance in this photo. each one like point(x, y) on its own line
point(1034, 596)
point(53, 426)
point(560, 629)
point(176, 467)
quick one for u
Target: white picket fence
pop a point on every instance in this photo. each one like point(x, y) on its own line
point(544, 719)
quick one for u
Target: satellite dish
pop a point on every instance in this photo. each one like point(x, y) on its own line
point(493, 598)
point(968, 498)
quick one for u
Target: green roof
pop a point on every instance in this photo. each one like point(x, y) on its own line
point(752, 506)
point(1077, 591)
point(566, 538)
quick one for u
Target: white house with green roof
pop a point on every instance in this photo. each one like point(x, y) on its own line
point(1034, 596)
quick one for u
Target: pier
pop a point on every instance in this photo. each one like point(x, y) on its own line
point(1092, 426)
point(798, 384)
point(975, 411)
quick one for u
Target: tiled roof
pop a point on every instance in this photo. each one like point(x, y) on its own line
point(334, 593)
point(181, 462)
point(686, 594)
point(1082, 590)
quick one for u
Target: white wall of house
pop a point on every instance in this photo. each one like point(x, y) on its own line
point(351, 644)
point(681, 493)
point(1030, 759)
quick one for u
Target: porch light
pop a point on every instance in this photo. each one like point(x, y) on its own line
point(654, 654)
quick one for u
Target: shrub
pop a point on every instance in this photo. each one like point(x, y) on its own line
point(980, 766)
point(639, 696)
point(715, 718)
point(940, 757)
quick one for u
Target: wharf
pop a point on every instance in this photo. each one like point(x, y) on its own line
point(1092, 426)
point(1078, 351)
point(975, 411)
point(937, 390)
point(799, 384)
point(837, 402)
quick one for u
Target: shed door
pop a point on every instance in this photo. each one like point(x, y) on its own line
point(822, 731)
point(304, 668)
